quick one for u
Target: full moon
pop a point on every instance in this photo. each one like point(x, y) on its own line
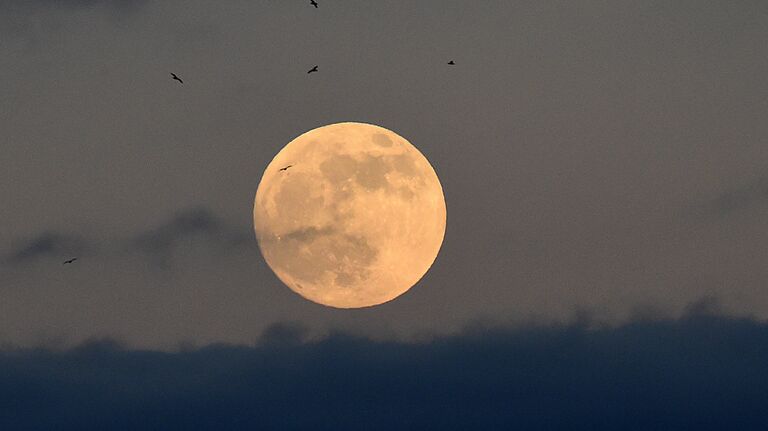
point(349, 215)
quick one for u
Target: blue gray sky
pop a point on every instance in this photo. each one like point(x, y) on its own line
point(598, 158)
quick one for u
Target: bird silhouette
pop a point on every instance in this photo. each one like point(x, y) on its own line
point(451, 63)
point(285, 168)
point(176, 78)
point(66, 262)
point(314, 69)
point(313, 3)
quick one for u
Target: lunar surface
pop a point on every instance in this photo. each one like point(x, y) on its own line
point(349, 215)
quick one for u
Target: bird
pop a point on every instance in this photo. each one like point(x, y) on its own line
point(66, 262)
point(285, 168)
point(314, 69)
point(451, 63)
point(176, 78)
point(313, 3)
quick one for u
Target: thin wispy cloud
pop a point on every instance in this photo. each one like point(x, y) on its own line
point(195, 222)
point(753, 195)
point(46, 245)
point(193, 226)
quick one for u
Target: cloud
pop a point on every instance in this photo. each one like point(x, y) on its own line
point(196, 225)
point(185, 224)
point(46, 245)
point(706, 306)
point(284, 333)
point(702, 372)
point(190, 228)
point(751, 195)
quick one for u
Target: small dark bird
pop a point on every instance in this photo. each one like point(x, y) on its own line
point(314, 69)
point(176, 78)
point(451, 63)
point(66, 262)
point(285, 168)
point(313, 3)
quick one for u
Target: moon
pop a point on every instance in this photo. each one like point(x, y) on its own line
point(349, 215)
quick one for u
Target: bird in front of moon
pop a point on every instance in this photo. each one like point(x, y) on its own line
point(356, 222)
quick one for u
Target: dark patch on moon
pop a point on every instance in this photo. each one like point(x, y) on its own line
point(382, 140)
point(307, 233)
point(405, 165)
point(345, 279)
point(295, 202)
point(372, 172)
point(358, 256)
point(338, 168)
point(369, 173)
point(306, 254)
point(406, 193)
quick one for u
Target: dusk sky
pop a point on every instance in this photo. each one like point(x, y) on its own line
point(605, 172)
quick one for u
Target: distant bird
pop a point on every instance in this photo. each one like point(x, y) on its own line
point(66, 262)
point(285, 168)
point(451, 63)
point(314, 69)
point(313, 3)
point(176, 78)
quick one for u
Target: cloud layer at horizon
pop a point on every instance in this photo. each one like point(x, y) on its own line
point(701, 372)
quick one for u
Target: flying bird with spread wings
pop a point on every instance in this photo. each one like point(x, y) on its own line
point(451, 63)
point(176, 78)
point(314, 69)
point(67, 262)
point(285, 168)
point(313, 3)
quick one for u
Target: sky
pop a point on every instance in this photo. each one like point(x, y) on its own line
point(603, 164)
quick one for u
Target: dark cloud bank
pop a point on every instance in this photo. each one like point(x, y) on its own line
point(701, 372)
